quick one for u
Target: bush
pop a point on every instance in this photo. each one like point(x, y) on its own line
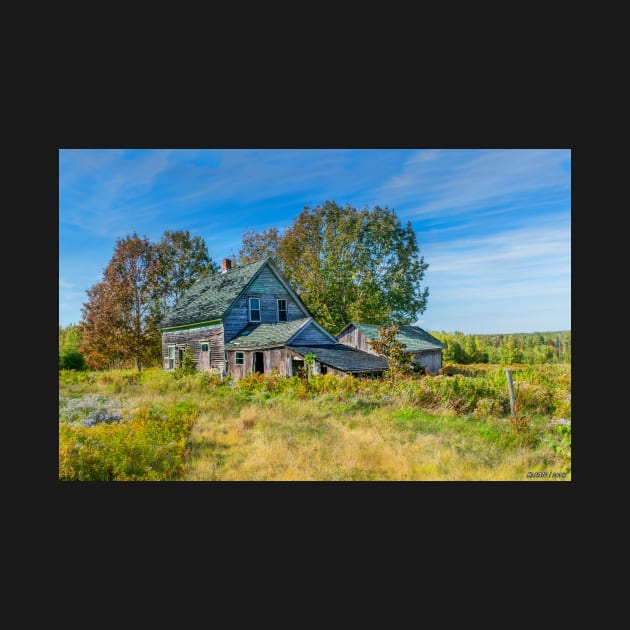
point(187, 366)
point(150, 445)
point(71, 359)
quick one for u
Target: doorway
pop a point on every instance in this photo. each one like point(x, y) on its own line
point(297, 367)
point(259, 362)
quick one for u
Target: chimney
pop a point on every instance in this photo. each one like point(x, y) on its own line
point(225, 265)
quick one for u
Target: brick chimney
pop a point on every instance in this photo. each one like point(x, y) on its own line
point(226, 264)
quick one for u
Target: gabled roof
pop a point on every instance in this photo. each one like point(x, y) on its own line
point(414, 337)
point(344, 357)
point(210, 297)
point(267, 335)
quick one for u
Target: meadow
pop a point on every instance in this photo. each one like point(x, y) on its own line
point(121, 425)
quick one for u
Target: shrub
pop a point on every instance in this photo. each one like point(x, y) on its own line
point(187, 367)
point(71, 359)
point(151, 445)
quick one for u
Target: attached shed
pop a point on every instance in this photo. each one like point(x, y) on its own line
point(340, 359)
point(263, 347)
point(425, 348)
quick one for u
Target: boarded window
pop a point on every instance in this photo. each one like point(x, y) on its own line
point(282, 310)
point(254, 309)
point(238, 359)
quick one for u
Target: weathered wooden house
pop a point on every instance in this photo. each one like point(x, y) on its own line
point(425, 348)
point(248, 319)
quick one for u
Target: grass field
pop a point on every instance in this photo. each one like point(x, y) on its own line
point(120, 425)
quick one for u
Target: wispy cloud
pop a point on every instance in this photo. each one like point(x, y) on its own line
point(447, 182)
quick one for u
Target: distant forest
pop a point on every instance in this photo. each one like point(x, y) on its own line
point(531, 348)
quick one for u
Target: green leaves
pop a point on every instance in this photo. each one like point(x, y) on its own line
point(347, 264)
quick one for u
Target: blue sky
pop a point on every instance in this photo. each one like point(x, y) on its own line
point(494, 225)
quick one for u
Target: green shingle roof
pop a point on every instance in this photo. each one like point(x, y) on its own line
point(344, 357)
point(414, 337)
point(211, 296)
point(266, 335)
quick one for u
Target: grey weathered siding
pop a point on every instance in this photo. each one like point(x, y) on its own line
point(268, 288)
point(274, 359)
point(193, 338)
point(310, 336)
point(431, 359)
point(354, 338)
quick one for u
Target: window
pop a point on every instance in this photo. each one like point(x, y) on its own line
point(254, 309)
point(282, 310)
point(204, 346)
point(171, 357)
point(239, 358)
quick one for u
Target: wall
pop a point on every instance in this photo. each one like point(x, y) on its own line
point(193, 338)
point(274, 359)
point(431, 359)
point(354, 338)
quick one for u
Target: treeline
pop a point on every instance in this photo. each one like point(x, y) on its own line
point(530, 348)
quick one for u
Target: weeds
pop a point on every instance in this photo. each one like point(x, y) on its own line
point(124, 425)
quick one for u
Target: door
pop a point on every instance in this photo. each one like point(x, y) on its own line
point(204, 356)
point(259, 362)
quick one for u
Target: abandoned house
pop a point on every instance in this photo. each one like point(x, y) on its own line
point(248, 319)
point(426, 350)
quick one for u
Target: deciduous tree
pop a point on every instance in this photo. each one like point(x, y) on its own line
point(347, 264)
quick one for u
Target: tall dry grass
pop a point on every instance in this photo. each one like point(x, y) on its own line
point(442, 428)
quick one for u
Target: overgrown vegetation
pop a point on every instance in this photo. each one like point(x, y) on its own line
point(388, 347)
point(125, 425)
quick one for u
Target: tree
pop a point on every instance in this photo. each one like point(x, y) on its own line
point(69, 337)
point(257, 246)
point(118, 321)
point(70, 357)
point(141, 281)
point(182, 260)
point(398, 360)
point(347, 264)
point(510, 352)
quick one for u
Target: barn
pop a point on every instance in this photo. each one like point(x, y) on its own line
point(425, 348)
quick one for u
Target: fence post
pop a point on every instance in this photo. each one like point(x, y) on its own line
point(508, 373)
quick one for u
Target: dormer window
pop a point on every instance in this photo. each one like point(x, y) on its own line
point(254, 309)
point(282, 310)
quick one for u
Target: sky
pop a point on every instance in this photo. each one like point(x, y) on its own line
point(494, 225)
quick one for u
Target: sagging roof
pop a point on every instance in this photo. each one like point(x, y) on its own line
point(343, 357)
point(210, 297)
point(267, 335)
point(415, 338)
